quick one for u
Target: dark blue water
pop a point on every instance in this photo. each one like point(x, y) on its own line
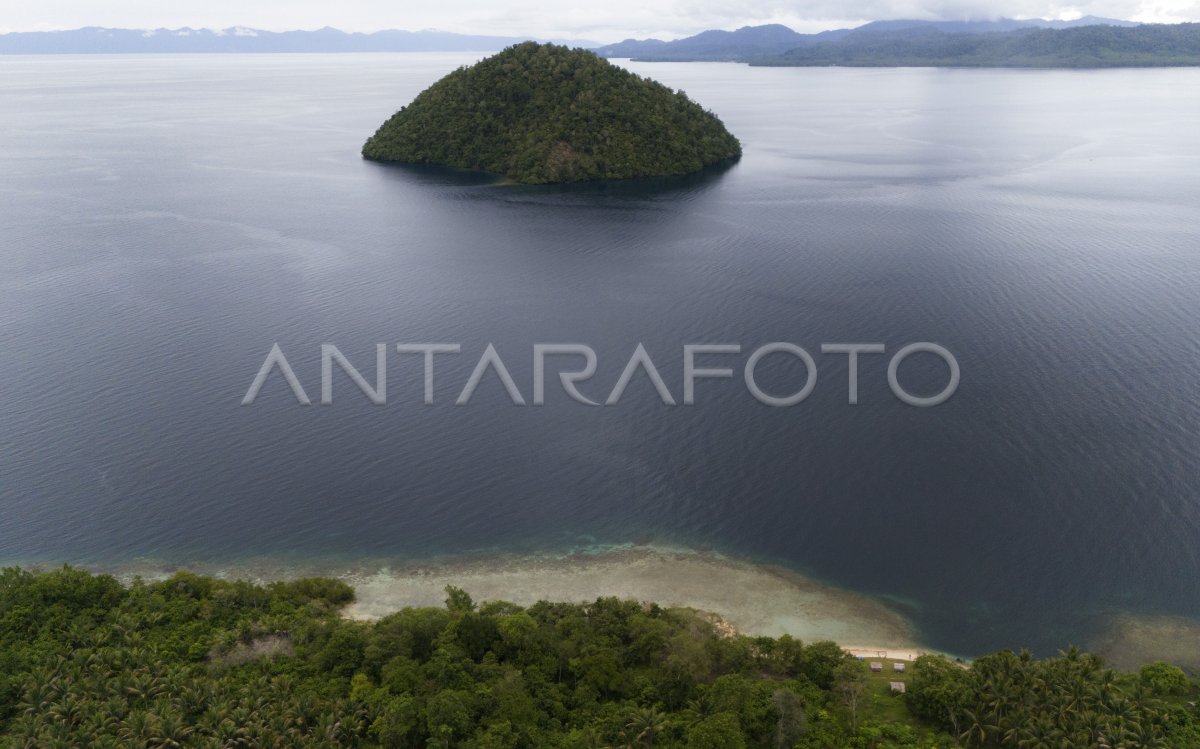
point(166, 220)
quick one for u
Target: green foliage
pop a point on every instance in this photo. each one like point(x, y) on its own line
point(1010, 700)
point(940, 692)
point(458, 601)
point(329, 592)
point(197, 662)
point(719, 731)
point(820, 662)
point(849, 684)
point(1182, 727)
point(541, 113)
point(1163, 679)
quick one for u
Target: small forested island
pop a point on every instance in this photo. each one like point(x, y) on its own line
point(543, 113)
point(193, 661)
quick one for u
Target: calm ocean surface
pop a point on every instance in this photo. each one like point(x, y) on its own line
point(164, 220)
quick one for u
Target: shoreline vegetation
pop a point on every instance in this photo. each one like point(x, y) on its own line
point(750, 598)
point(754, 599)
point(196, 661)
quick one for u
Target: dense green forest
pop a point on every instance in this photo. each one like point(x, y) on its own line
point(540, 113)
point(1081, 47)
point(197, 662)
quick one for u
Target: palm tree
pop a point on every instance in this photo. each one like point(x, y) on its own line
point(977, 730)
point(1091, 724)
point(170, 732)
point(25, 726)
point(67, 711)
point(592, 739)
point(137, 728)
point(646, 723)
point(625, 740)
point(696, 711)
point(1146, 737)
point(1041, 734)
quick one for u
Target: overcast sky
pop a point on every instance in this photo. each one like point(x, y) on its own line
point(601, 20)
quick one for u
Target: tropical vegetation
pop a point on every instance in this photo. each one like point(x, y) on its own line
point(540, 113)
point(192, 661)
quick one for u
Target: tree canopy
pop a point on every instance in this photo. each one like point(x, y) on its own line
point(541, 113)
point(196, 662)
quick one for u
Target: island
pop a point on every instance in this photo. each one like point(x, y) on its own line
point(543, 113)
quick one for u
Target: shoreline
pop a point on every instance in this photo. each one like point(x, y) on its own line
point(1131, 640)
point(738, 595)
point(751, 598)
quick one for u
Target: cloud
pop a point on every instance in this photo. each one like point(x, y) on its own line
point(603, 21)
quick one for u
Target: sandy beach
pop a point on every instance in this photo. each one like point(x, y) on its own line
point(754, 599)
point(750, 598)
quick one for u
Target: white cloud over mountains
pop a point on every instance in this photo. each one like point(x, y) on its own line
point(601, 20)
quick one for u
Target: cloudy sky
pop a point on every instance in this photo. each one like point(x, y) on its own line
point(600, 20)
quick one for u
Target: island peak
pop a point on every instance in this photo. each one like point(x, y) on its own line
point(543, 113)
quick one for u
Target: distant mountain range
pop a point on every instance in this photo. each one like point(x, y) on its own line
point(746, 43)
point(757, 42)
point(96, 40)
point(1085, 42)
point(1151, 45)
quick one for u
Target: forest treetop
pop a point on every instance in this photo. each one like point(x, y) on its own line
point(195, 662)
point(543, 113)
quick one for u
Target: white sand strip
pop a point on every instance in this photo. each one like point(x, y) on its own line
point(755, 599)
